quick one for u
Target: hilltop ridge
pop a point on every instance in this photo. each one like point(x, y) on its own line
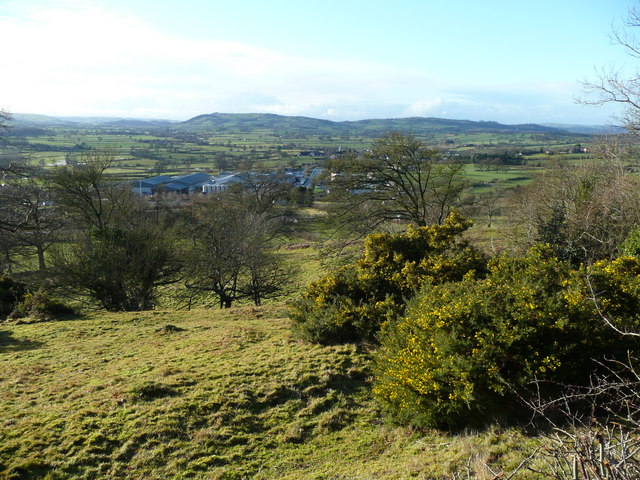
point(368, 127)
point(251, 122)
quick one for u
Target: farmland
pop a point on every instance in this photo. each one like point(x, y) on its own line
point(225, 141)
point(499, 157)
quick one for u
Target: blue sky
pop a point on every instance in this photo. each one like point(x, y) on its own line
point(499, 60)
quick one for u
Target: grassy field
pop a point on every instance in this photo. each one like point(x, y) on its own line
point(230, 395)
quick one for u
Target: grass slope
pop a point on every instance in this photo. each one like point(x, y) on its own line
point(229, 396)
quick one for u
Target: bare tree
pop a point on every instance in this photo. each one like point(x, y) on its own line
point(591, 432)
point(265, 274)
point(399, 179)
point(265, 194)
point(584, 212)
point(612, 86)
point(28, 220)
point(231, 252)
point(118, 253)
point(85, 191)
point(5, 117)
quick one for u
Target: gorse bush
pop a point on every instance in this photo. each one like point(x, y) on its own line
point(609, 291)
point(466, 350)
point(352, 303)
point(631, 246)
point(340, 308)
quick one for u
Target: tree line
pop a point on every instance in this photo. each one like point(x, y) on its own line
point(96, 241)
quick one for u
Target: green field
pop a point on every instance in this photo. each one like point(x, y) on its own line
point(218, 142)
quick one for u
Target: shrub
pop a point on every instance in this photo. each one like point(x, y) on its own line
point(466, 350)
point(40, 306)
point(352, 303)
point(631, 246)
point(120, 269)
point(341, 308)
point(609, 291)
point(11, 293)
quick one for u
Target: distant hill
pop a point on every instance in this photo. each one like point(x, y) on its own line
point(296, 125)
point(120, 122)
point(588, 129)
point(373, 127)
point(34, 120)
point(21, 120)
point(255, 121)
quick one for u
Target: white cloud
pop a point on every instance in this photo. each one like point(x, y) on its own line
point(80, 57)
point(424, 107)
point(77, 57)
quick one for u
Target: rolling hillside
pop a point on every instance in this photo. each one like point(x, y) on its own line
point(289, 125)
point(418, 126)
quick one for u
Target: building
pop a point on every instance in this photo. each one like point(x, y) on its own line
point(223, 181)
point(204, 183)
point(184, 184)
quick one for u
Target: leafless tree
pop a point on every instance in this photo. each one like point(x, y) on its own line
point(28, 220)
point(613, 86)
point(399, 179)
point(86, 192)
point(230, 254)
point(594, 430)
point(5, 117)
point(583, 211)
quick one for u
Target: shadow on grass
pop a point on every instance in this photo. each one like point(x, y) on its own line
point(9, 343)
point(31, 469)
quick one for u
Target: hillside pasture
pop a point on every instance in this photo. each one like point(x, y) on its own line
point(223, 395)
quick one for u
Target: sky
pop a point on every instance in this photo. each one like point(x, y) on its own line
point(494, 60)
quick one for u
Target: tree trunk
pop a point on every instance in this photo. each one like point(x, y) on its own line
point(41, 263)
point(225, 302)
point(9, 262)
